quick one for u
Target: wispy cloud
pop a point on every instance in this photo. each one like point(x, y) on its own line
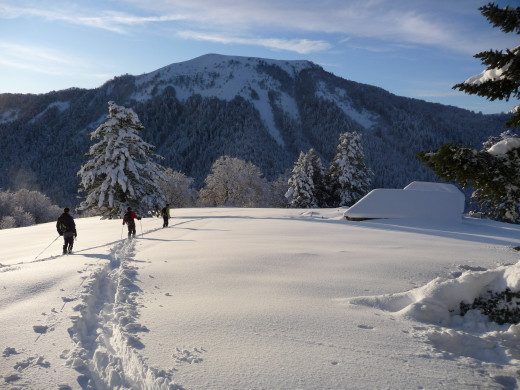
point(36, 59)
point(302, 46)
point(114, 21)
point(383, 21)
point(387, 21)
point(121, 23)
point(117, 21)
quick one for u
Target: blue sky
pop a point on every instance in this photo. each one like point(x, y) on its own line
point(414, 48)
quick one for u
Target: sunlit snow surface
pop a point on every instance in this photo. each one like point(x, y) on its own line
point(257, 299)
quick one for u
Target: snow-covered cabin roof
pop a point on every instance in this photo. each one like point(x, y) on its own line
point(424, 200)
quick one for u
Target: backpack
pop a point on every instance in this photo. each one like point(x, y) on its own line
point(62, 226)
point(127, 217)
point(163, 211)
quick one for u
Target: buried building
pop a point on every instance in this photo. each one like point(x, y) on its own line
point(421, 200)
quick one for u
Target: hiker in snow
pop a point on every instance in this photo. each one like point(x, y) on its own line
point(129, 218)
point(67, 228)
point(165, 212)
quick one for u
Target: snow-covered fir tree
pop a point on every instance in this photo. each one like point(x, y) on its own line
point(319, 173)
point(349, 178)
point(301, 192)
point(121, 171)
point(494, 173)
point(501, 79)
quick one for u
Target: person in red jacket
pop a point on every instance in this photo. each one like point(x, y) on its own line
point(129, 218)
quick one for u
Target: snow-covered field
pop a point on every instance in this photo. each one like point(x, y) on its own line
point(257, 299)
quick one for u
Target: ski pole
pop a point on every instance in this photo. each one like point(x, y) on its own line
point(122, 227)
point(47, 247)
point(140, 223)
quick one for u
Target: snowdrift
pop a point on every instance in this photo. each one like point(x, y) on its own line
point(438, 303)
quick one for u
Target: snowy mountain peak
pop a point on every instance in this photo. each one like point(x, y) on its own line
point(211, 61)
point(226, 77)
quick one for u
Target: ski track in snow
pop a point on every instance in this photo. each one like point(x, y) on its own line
point(106, 333)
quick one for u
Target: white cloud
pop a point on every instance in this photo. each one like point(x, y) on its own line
point(302, 46)
point(114, 21)
point(117, 21)
point(395, 22)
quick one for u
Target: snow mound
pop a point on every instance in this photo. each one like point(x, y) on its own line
point(438, 303)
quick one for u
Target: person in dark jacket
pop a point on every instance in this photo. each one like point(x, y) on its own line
point(129, 218)
point(67, 228)
point(165, 212)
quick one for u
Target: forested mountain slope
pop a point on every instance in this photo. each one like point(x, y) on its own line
point(260, 110)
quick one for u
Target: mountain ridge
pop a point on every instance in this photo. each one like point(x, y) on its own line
point(261, 110)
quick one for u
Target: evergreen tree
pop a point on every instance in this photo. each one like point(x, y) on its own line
point(321, 191)
point(494, 172)
point(120, 171)
point(348, 177)
point(301, 192)
point(501, 79)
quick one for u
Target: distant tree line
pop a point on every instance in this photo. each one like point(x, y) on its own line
point(347, 180)
point(43, 137)
point(121, 172)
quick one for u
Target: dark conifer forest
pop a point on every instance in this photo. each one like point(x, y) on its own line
point(280, 108)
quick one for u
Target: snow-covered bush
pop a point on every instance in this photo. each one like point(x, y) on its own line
point(274, 196)
point(25, 208)
point(178, 189)
point(233, 182)
point(22, 217)
point(7, 222)
point(502, 307)
point(37, 204)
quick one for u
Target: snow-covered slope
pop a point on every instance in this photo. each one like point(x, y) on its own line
point(257, 298)
point(219, 75)
point(226, 77)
